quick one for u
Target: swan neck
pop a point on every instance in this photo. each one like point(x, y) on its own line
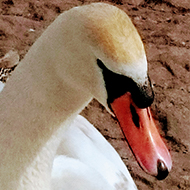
point(37, 111)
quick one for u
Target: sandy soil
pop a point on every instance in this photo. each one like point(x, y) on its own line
point(165, 29)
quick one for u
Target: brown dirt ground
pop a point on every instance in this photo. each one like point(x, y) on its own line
point(165, 29)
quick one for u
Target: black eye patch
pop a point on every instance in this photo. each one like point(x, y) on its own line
point(117, 85)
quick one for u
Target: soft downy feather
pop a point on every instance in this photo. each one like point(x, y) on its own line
point(89, 161)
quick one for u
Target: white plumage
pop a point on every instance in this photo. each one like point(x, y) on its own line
point(85, 160)
point(44, 144)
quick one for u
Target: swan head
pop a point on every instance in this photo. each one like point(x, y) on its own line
point(114, 50)
point(111, 65)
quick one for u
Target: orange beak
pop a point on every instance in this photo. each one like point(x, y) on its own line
point(142, 136)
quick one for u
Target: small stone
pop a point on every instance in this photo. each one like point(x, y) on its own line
point(10, 59)
point(183, 43)
point(31, 30)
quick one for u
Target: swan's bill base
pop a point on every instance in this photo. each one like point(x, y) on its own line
point(117, 85)
point(142, 136)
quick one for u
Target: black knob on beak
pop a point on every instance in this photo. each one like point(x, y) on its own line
point(143, 96)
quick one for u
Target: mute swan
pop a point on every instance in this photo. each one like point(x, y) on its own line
point(88, 51)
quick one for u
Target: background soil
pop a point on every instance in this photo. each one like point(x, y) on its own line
point(165, 29)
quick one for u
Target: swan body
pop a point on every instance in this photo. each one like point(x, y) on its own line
point(73, 61)
point(85, 160)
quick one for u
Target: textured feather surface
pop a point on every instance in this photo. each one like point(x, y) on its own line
point(87, 159)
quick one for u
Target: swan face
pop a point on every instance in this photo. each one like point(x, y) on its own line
point(119, 53)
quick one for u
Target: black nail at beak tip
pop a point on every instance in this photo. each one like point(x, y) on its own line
point(162, 170)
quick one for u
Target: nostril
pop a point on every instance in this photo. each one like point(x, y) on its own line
point(135, 116)
point(162, 170)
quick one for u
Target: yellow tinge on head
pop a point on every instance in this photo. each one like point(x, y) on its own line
point(114, 33)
